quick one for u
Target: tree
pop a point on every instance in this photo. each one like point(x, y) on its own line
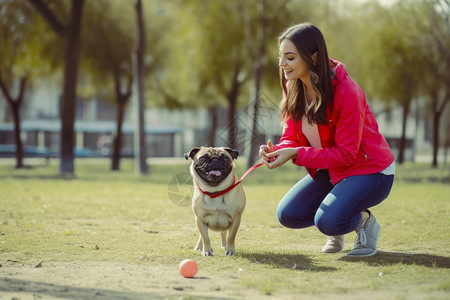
point(26, 55)
point(220, 57)
point(260, 60)
point(14, 105)
point(138, 61)
point(70, 33)
point(433, 18)
point(260, 37)
point(107, 50)
point(397, 62)
point(180, 74)
point(9, 26)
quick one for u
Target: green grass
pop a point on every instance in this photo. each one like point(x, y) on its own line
point(125, 218)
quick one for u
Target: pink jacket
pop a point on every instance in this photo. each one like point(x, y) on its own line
point(352, 144)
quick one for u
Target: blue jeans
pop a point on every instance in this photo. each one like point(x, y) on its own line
point(334, 209)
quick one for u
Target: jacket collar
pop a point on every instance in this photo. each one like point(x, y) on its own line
point(339, 71)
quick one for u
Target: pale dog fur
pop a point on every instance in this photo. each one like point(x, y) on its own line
point(219, 214)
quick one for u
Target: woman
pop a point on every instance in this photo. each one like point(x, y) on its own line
point(330, 130)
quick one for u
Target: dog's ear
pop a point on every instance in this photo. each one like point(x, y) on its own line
point(191, 153)
point(234, 153)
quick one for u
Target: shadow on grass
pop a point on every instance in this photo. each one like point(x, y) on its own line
point(285, 261)
point(390, 258)
point(19, 287)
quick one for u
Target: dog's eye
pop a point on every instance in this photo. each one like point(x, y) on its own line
point(225, 158)
point(202, 160)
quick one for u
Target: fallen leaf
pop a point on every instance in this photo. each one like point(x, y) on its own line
point(39, 265)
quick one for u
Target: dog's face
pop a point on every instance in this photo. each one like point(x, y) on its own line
point(212, 164)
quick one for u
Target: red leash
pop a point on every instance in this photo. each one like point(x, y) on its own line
point(235, 184)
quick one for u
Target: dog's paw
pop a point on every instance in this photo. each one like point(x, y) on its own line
point(207, 253)
point(230, 252)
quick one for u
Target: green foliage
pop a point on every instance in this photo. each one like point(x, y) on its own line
point(402, 57)
point(194, 47)
point(107, 46)
point(25, 50)
point(213, 40)
point(433, 18)
point(166, 57)
point(206, 49)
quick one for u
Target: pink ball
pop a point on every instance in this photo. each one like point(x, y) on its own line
point(188, 268)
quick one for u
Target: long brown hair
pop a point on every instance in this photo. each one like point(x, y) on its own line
point(309, 40)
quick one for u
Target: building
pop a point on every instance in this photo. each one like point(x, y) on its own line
point(171, 133)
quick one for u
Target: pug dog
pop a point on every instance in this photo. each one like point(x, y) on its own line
point(212, 170)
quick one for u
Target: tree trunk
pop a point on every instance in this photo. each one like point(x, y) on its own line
point(259, 70)
point(17, 132)
point(447, 140)
point(233, 128)
point(402, 146)
point(69, 97)
point(140, 148)
point(122, 99)
point(71, 35)
point(213, 126)
point(254, 118)
point(438, 109)
point(232, 120)
point(14, 105)
point(436, 121)
point(117, 142)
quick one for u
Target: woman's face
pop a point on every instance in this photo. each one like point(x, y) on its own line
point(293, 65)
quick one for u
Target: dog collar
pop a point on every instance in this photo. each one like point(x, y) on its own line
point(235, 184)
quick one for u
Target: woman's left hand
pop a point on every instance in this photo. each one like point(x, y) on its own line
point(280, 157)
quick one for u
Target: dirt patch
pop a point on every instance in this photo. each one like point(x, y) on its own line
point(110, 280)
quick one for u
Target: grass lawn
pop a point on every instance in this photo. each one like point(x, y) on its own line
point(117, 235)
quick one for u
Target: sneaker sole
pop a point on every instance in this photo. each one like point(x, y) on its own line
point(363, 255)
point(340, 251)
point(332, 252)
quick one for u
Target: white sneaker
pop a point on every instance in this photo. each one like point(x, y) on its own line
point(366, 238)
point(335, 244)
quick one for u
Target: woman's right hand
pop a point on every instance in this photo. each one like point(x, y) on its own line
point(263, 150)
